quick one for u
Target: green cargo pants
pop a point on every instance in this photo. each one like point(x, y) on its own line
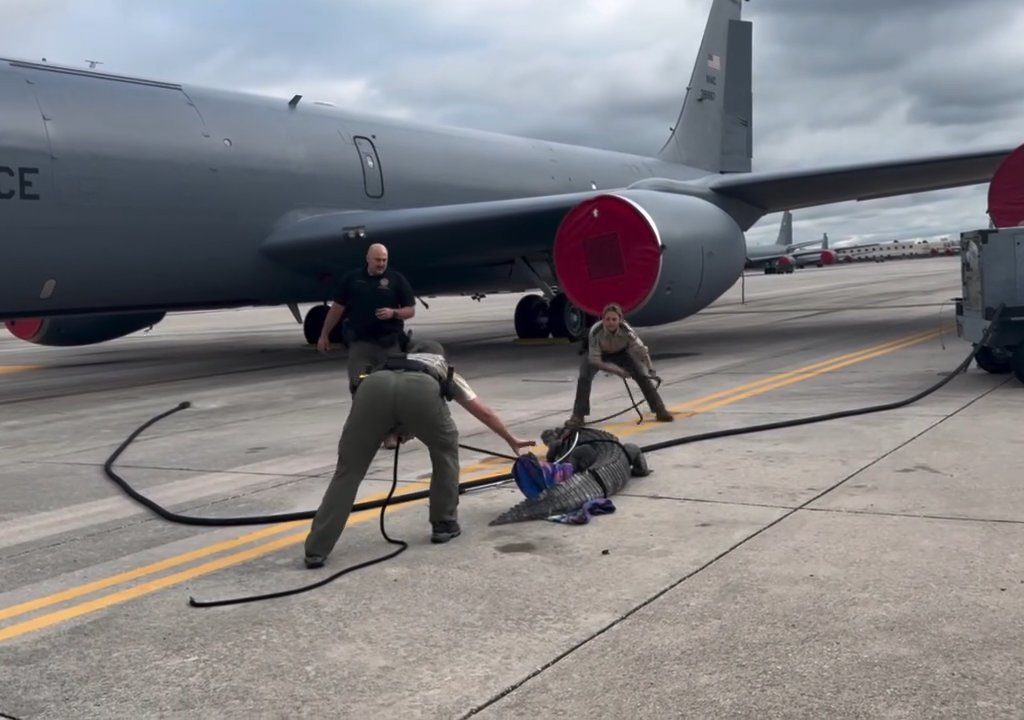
point(364, 355)
point(384, 400)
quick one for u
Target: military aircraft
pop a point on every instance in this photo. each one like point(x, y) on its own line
point(123, 198)
point(784, 255)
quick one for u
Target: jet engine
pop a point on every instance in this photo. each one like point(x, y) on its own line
point(661, 256)
point(70, 330)
point(827, 257)
point(782, 265)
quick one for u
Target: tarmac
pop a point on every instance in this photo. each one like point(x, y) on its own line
point(863, 567)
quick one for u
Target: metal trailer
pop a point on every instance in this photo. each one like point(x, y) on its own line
point(992, 274)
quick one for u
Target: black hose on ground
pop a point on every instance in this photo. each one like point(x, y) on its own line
point(482, 482)
point(403, 546)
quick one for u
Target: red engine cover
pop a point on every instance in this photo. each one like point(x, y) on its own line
point(25, 328)
point(1006, 191)
point(827, 257)
point(607, 249)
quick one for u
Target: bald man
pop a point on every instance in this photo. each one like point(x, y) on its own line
point(376, 301)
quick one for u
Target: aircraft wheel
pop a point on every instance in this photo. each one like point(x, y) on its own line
point(1017, 361)
point(532, 317)
point(998, 362)
point(567, 320)
point(314, 323)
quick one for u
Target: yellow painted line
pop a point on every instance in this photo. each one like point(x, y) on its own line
point(44, 621)
point(72, 593)
point(166, 564)
point(720, 398)
point(58, 616)
point(808, 375)
point(702, 404)
point(739, 392)
point(4, 369)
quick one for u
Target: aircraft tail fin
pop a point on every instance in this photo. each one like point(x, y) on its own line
point(714, 131)
point(824, 241)
point(785, 230)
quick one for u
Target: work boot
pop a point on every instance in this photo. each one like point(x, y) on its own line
point(444, 531)
point(574, 421)
point(665, 416)
point(315, 561)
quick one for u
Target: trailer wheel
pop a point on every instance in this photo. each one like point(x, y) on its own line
point(998, 362)
point(1018, 363)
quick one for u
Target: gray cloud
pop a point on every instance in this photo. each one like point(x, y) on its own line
point(835, 80)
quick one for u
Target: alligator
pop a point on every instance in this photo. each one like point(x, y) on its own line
point(602, 465)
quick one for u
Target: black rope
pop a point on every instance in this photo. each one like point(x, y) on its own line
point(108, 468)
point(795, 422)
point(7, 717)
point(635, 406)
point(636, 403)
point(488, 452)
point(492, 480)
point(498, 479)
point(403, 546)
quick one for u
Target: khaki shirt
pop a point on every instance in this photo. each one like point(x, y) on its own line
point(602, 342)
point(461, 391)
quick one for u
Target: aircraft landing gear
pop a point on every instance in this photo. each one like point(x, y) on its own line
point(567, 320)
point(532, 317)
point(314, 324)
point(1017, 363)
point(538, 318)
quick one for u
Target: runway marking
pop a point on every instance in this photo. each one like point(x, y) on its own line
point(129, 593)
point(5, 369)
point(772, 382)
point(72, 593)
point(692, 407)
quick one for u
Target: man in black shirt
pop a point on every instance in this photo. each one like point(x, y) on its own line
point(375, 302)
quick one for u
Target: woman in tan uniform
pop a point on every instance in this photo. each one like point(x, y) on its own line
point(616, 348)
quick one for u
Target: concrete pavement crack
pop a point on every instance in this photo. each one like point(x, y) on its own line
point(728, 551)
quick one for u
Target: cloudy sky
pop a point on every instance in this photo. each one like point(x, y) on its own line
point(834, 80)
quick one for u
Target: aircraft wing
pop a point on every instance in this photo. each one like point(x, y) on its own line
point(498, 231)
point(775, 191)
point(474, 233)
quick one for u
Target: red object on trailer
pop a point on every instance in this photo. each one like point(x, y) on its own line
point(1006, 191)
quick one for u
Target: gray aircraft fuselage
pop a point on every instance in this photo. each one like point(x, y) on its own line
point(120, 194)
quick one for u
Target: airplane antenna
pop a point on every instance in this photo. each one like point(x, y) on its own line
point(94, 63)
point(294, 101)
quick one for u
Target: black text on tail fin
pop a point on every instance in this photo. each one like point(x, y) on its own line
point(714, 131)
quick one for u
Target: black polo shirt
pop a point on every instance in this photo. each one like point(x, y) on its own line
point(362, 293)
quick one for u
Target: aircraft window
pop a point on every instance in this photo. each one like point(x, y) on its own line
point(48, 288)
point(593, 185)
point(227, 142)
point(369, 161)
